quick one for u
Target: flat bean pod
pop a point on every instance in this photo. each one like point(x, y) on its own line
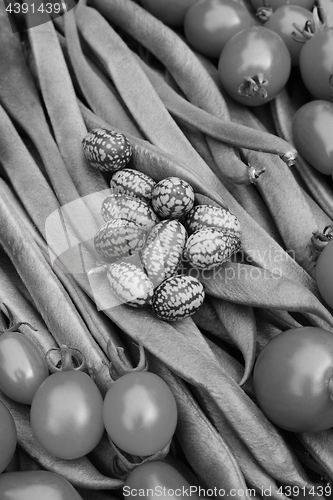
point(239, 321)
point(219, 468)
point(320, 446)
point(96, 90)
point(221, 129)
point(60, 100)
point(283, 114)
point(255, 475)
point(256, 287)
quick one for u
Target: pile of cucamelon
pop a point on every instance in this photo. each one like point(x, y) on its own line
point(150, 224)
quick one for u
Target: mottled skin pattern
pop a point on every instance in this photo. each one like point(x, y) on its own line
point(130, 284)
point(106, 150)
point(202, 216)
point(133, 183)
point(210, 247)
point(178, 297)
point(119, 238)
point(163, 250)
point(172, 198)
point(127, 207)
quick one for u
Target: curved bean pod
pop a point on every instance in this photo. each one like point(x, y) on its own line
point(282, 112)
point(253, 286)
point(320, 446)
point(95, 89)
point(223, 130)
point(60, 100)
point(240, 323)
point(219, 468)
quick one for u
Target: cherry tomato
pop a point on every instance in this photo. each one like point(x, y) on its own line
point(255, 54)
point(153, 480)
point(275, 4)
point(292, 380)
point(316, 64)
point(66, 414)
point(209, 24)
point(36, 485)
point(281, 21)
point(171, 12)
point(22, 367)
point(8, 437)
point(312, 133)
point(324, 273)
point(140, 413)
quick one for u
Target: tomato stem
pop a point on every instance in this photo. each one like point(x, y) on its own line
point(119, 362)
point(264, 13)
point(70, 359)
point(254, 85)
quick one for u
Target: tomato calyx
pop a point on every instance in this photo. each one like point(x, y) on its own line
point(120, 364)
point(254, 85)
point(320, 240)
point(123, 463)
point(311, 27)
point(264, 13)
point(64, 359)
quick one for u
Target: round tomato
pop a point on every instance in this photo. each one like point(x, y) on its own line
point(8, 437)
point(22, 367)
point(292, 380)
point(312, 133)
point(66, 414)
point(254, 65)
point(36, 485)
point(316, 64)
point(140, 413)
point(209, 24)
point(324, 273)
point(171, 12)
point(281, 21)
point(275, 4)
point(157, 479)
